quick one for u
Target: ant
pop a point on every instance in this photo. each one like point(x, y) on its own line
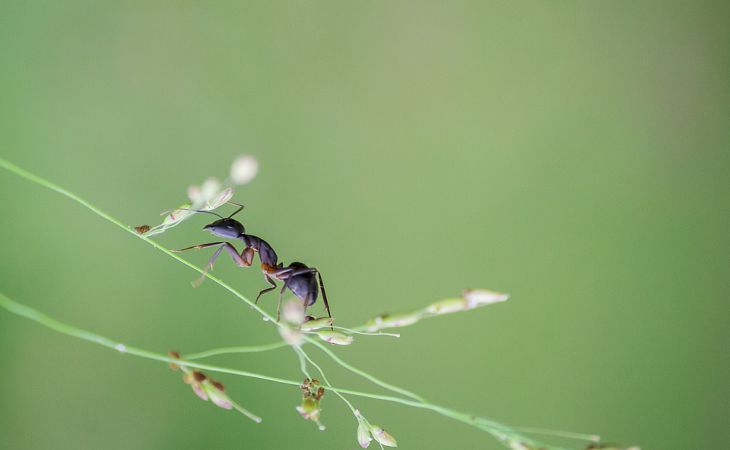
point(297, 277)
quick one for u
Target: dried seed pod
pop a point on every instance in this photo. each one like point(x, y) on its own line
point(142, 229)
point(173, 355)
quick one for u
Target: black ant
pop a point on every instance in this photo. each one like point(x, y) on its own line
point(297, 277)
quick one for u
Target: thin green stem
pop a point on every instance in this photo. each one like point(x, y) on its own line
point(227, 350)
point(69, 330)
point(362, 373)
point(559, 433)
point(50, 185)
point(302, 361)
point(324, 378)
point(54, 187)
point(246, 412)
point(365, 333)
point(492, 427)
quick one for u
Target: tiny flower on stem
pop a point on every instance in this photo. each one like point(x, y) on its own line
point(448, 306)
point(335, 337)
point(480, 297)
point(363, 434)
point(316, 324)
point(291, 336)
point(200, 195)
point(244, 169)
point(392, 321)
point(312, 394)
point(207, 388)
point(382, 436)
point(293, 312)
point(177, 215)
point(366, 432)
point(207, 197)
point(363, 430)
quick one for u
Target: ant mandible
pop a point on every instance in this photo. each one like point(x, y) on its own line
point(297, 277)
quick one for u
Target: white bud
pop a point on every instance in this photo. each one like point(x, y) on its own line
point(448, 306)
point(210, 187)
point(479, 297)
point(291, 337)
point(219, 199)
point(244, 169)
point(363, 435)
point(176, 215)
point(383, 436)
point(398, 320)
point(293, 312)
point(217, 396)
point(335, 337)
point(316, 324)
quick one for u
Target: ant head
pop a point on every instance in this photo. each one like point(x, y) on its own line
point(226, 228)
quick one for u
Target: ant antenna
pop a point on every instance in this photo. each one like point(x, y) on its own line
point(240, 207)
point(195, 210)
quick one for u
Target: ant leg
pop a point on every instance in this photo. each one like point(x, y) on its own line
point(264, 291)
point(281, 292)
point(199, 246)
point(209, 266)
point(224, 245)
point(324, 294)
point(247, 255)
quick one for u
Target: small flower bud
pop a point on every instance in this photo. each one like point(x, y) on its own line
point(480, 297)
point(363, 434)
point(335, 337)
point(448, 306)
point(293, 312)
point(290, 336)
point(219, 199)
point(394, 321)
point(177, 215)
point(316, 324)
point(216, 394)
point(209, 189)
point(309, 409)
point(383, 436)
point(244, 169)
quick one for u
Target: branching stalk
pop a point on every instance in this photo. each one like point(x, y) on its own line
point(505, 434)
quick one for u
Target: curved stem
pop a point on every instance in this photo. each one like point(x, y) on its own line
point(43, 182)
point(69, 330)
point(324, 378)
point(362, 373)
point(498, 430)
point(54, 187)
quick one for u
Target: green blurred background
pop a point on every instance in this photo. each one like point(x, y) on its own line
point(573, 154)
